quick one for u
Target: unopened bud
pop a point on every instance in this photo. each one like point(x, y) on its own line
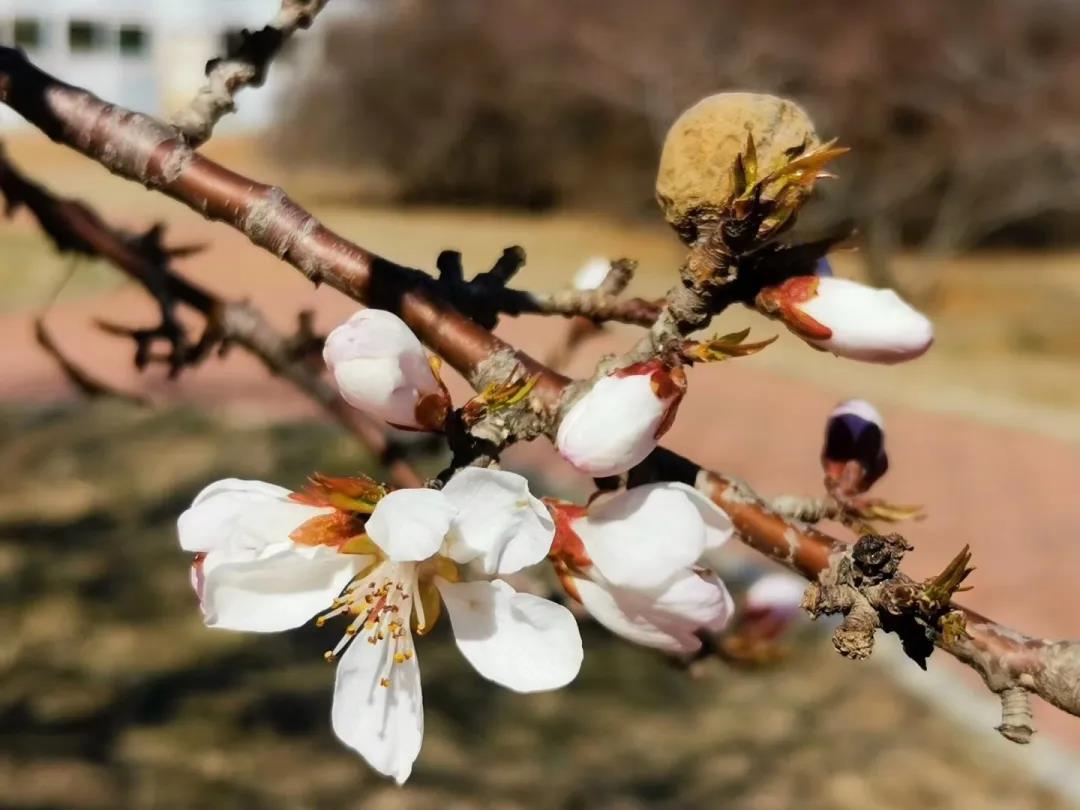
point(619, 421)
point(380, 367)
point(853, 456)
point(849, 319)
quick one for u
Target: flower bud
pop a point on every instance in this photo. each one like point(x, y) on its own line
point(769, 608)
point(592, 274)
point(380, 367)
point(849, 319)
point(619, 421)
point(776, 595)
point(853, 456)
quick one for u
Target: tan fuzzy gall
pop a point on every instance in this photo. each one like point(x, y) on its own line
point(701, 147)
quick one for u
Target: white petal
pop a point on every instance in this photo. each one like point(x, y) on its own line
point(411, 524)
point(641, 537)
point(718, 526)
point(239, 515)
point(276, 592)
point(384, 724)
point(592, 274)
point(518, 640)
point(380, 366)
point(613, 426)
point(873, 325)
point(498, 520)
point(667, 619)
point(783, 592)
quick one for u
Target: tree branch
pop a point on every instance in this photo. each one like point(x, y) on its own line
point(245, 65)
point(139, 148)
point(75, 227)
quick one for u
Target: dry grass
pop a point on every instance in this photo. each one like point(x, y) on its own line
point(113, 695)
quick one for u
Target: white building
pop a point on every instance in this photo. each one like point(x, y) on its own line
point(149, 55)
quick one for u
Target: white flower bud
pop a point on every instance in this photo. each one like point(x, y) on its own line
point(380, 367)
point(849, 319)
point(779, 593)
point(619, 421)
point(592, 274)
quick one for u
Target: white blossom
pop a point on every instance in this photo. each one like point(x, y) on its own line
point(631, 559)
point(257, 569)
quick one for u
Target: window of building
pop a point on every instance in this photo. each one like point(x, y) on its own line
point(85, 36)
point(28, 33)
point(134, 40)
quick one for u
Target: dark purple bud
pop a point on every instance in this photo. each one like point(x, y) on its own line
point(854, 453)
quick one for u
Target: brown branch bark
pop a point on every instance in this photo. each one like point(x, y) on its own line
point(141, 149)
point(244, 66)
point(1004, 658)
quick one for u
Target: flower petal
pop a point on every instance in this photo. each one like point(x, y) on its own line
point(498, 520)
point(718, 526)
point(592, 273)
point(667, 619)
point(642, 537)
point(238, 515)
point(518, 640)
point(384, 724)
point(276, 592)
point(411, 524)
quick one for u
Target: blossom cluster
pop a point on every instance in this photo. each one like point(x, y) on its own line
point(386, 564)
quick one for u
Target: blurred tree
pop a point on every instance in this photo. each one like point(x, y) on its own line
point(964, 117)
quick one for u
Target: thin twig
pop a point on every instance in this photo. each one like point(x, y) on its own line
point(245, 65)
point(86, 383)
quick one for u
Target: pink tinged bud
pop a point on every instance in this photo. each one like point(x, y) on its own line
point(849, 319)
point(771, 604)
point(380, 367)
point(775, 593)
point(853, 456)
point(619, 421)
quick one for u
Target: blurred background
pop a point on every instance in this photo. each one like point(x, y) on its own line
point(413, 126)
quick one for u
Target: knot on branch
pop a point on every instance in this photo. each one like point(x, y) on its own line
point(865, 586)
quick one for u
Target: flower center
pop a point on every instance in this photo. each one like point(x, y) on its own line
point(384, 602)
